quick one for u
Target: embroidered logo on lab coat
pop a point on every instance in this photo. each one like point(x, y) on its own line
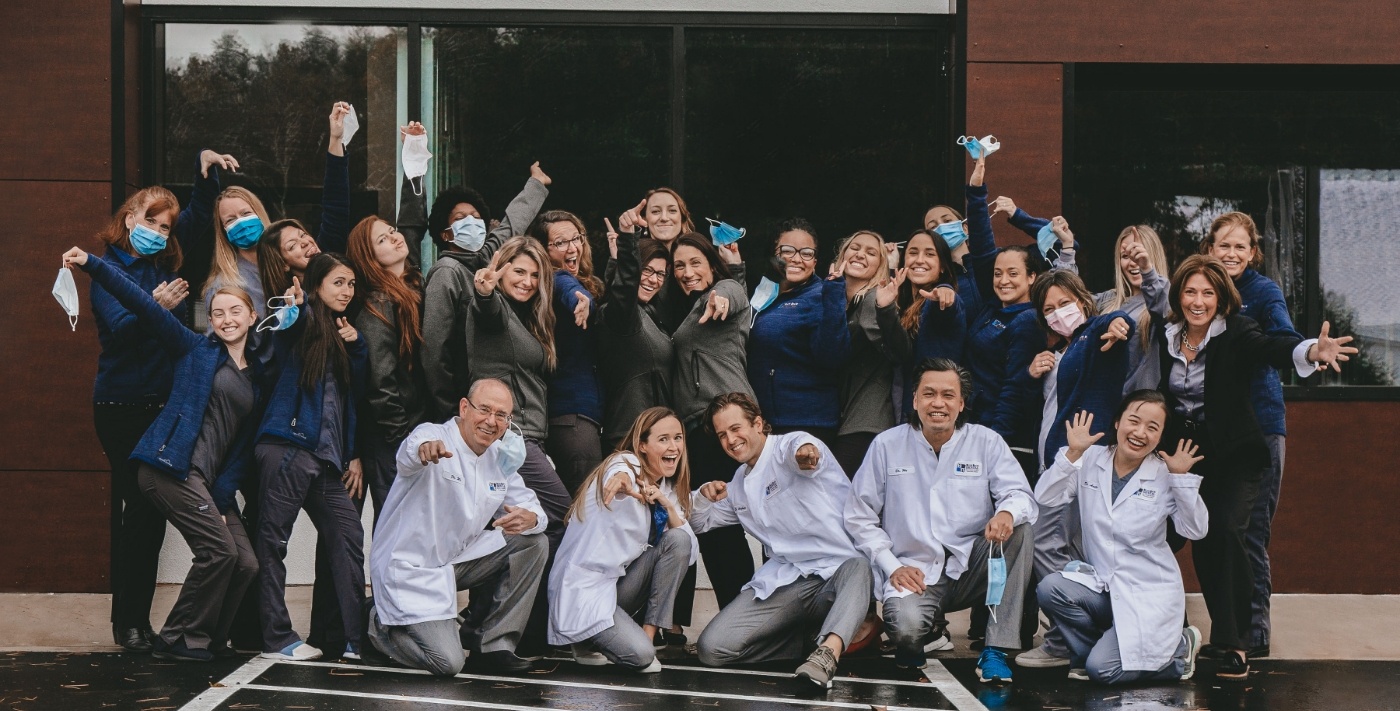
point(1145, 494)
point(496, 487)
point(770, 490)
point(1091, 485)
point(968, 469)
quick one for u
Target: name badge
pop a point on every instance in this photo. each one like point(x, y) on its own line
point(496, 487)
point(968, 469)
point(898, 471)
point(1091, 485)
point(770, 490)
point(1148, 495)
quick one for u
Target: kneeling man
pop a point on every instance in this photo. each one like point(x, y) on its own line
point(944, 512)
point(788, 494)
point(433, 539)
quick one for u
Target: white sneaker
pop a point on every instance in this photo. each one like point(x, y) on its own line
point(1193, 647)
point(941, 644)
point(1039, 658)
point(1079, 674)
point(294, 652)
point(652, 668)
point(589, 657)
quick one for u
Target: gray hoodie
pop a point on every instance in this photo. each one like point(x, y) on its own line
point(710, 357)
point(635, 357)
point(500, 346)
point(879, 344)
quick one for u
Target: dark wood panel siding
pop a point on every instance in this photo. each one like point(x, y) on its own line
point(1022, 105)
point(54, 531)
point(1197, 31)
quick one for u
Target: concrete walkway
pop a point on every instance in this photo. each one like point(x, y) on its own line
point(1357, 627)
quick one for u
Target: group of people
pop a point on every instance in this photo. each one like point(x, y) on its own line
point(933, 425)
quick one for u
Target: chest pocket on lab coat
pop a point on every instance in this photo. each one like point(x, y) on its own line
point(968, 497)
point(1140, 516)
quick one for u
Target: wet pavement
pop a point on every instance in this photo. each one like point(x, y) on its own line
point(77, 682)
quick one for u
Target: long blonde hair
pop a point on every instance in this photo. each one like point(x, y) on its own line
point(631, 443)
point(541, 325)
point(224, 269)
point(880, 273)
point(1122, 288)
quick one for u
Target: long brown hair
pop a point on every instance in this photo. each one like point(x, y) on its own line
point(404, 292)
point(909, 293)
point(320, 347)
point(224, 270)
point(152, 200)
point(539, 229)
point(1122, 288)
point(1071, 284)
point(272, 268)
point(631, 443)
point(541, 323)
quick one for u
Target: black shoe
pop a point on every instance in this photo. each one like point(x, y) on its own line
point(178, 652)
point(500, 661)
point(222, 651)
point(1260, 652)
point(1233, 668)
point(131, 639)
point(1214, 651)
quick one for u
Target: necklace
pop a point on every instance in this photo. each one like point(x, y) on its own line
point(1187, 344)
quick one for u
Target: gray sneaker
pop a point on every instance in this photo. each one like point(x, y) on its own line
point(1040, 658)
point(819, 667)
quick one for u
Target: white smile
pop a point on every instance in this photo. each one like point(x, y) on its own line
point(1197, 312)
point(1136, 443)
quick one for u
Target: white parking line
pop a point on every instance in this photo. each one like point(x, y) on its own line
point(218, 693)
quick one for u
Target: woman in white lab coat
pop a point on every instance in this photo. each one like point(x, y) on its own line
point(626, 548)
point(1122, 609)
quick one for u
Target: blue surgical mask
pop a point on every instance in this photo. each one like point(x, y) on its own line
point(146, 241)
point(1046, 239)
point(764, 295)
point(245, 232)
point(996, 579)
point(510, 453)
point(723, 233)
point(282, 316)
point(952, 233)
point(979, 148)
point(469, 233)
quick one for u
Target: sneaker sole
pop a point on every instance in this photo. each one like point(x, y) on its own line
point(287, 657)
point(805, 675)
point(591, 661)
point(1192, 652)
point(1042, 662)
point(935, 646)
point(993, 680)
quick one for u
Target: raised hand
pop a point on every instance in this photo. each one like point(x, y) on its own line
point(339, 111)
point(1117, 331)
point(1331, 352)
point(730, 253)
point(1133, 249)
point(581, 310)
point(1061, 227)
point(74, 257)
point(808, 457)
point(433, 451)
point(1183, 459)
point(716, 307)
point(1043, 363)
point(347, 331)
point(516, 521)
point(979, 172)
point(892, 255)
point(1077, 434)
point(1003, 205)
point(208, 158)
point(170, 294)
point(619, 485)
point(632, 219)
point(715, 490)
point(538, 173)
point(888, 290)
point(944, 295)
point(294, 291)
point(412, 129)
point(612, 238)
point(487, 277)
point(907, 577)
point(837, 270)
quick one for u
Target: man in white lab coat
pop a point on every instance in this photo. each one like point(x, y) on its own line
point(433, 539)
point(788, 493)
point(930, 506)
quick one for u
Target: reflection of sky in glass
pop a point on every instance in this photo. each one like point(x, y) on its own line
point(185, 40)
point(1360, 257)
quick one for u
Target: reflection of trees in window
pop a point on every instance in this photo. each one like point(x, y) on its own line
point(1376, 363)
point(269, 107)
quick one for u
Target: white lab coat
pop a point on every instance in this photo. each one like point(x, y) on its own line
point(795, 514)
point(910, 506)
point(1126, 542)
point(435, 516)
point(597, 548)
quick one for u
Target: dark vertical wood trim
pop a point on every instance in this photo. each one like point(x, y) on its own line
point(1067, 139)
point(116, 84)
point(678, 82)
point(1313, 312)
point(956, 72)
point(415, 71)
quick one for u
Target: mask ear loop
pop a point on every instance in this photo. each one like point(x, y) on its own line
point(73, 322)
point(267, 323)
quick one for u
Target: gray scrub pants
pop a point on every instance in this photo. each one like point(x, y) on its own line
point(1057, 532)
point(749, 630)
point(513, 573)
point(1085, 618)
point(223, 567)
point(647, 589)
point(911, 621)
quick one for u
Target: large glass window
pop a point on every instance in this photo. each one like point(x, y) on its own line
point(263, 93)
point(1309, 152)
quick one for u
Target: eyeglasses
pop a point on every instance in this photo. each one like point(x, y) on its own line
point(649, 273)
point(563, 244)
point(788, 252)
point(500, 415)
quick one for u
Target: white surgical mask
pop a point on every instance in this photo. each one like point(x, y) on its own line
point(415, 160)
point(352, 126)
point(66, 291)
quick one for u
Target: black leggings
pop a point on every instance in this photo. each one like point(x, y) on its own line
point(138, 527)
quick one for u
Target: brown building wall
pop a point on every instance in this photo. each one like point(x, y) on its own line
point(55, 175)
